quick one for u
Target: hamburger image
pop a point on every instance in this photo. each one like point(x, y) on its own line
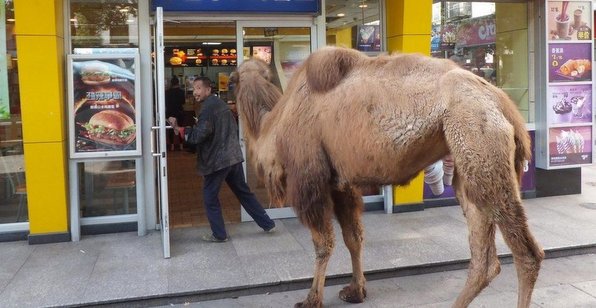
point(110, 127)
point(214, 61)
point(175, 60)
point(95, 73)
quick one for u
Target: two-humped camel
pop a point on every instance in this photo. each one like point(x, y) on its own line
point(347, 120)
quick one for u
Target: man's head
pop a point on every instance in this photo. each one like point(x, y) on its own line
point(201, 88)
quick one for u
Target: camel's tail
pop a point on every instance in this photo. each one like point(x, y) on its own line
point(523, 150)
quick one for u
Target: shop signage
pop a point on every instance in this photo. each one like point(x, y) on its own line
point(241, 6)
point(104, 105)
point(566, 123)
point(476, 31)
point(4, 102)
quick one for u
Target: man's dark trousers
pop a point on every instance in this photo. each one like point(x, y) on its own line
point(234, 177)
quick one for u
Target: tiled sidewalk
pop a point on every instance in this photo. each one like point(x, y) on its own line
point(125, 268)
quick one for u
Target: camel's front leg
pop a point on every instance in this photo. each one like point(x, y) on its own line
point(348, 208)
point(324, 241)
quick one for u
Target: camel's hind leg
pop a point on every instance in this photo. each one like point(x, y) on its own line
point(348, 208)
point(484, 156)
point(484, 263)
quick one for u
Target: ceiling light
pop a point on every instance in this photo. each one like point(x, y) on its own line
point(10, 19)
point(341, 14)
point(211, 43)
point(124, 10)
point(73, 19)
point(130, 21)
point(363, 6)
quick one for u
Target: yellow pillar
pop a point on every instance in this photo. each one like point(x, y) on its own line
point(408, 25)
point(40, 47)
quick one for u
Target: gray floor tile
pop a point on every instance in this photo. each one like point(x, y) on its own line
point(588, 287)
point(562, 296)
point(13, 256)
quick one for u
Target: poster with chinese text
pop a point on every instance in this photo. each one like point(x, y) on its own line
point(570, 145)
point(569, 62)
point(569, 20)
point(104, 109)
point(570, 104)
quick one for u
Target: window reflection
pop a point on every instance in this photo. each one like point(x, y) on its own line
point(107, 188)
point(354, 24)
point(489, 39)
point(13, 191)
point(104, 23)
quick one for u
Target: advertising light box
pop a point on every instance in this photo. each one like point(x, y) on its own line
point(104, 106)
point(565, 124)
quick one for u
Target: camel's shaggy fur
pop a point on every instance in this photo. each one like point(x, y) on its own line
point(347, 119)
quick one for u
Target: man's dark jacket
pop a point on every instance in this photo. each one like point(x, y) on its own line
point(217, 143)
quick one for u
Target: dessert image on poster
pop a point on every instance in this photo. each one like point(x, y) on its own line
point(104, 106)
point(568, 62)
point(570, 104)
point(570, 145)
point(569, 20)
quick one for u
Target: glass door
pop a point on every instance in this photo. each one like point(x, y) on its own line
point(284, 45)
point(159, 130)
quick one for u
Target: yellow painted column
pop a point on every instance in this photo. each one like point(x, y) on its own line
point(408, 25)
point(40, 48)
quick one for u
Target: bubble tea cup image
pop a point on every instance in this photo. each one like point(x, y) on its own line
point(577, 19)
point(562, 21)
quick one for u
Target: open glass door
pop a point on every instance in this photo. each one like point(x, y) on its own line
point(284, 45)
point(159, 127)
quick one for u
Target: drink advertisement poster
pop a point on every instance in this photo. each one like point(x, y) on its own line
point(570, 104)
point(569, 20)
point(570, 145)
point(569, 62)
point(104, 106)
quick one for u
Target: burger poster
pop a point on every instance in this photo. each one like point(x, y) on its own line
point(103, 106)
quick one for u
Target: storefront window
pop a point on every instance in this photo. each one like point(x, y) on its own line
point(13, 192)
point(488, 38)
point(354, 24)
point(107, 188)
point(108, 23)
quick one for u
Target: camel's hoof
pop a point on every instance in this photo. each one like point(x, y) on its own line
point(352, 294)
point(308, 304)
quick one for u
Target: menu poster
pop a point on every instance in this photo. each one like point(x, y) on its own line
point(103, 110)
point(570, 145)
point(185, 57)
point(262, 52)
point(569, 20)
point(570, 104)
point(569, 62)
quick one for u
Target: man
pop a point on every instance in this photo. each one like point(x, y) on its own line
point(175, 99)
point(219, 158)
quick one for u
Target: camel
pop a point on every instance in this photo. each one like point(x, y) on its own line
point(347, 119)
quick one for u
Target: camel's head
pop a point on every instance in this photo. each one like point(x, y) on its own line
point(255, 94)
point(249, 69)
